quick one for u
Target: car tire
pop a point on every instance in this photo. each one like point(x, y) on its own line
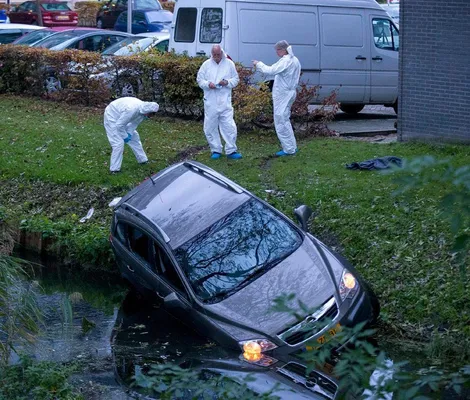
point(395, 107)
point(127, 89)
point(351, 108)
point(35, 23)
point(52, 84)
point(99, 23)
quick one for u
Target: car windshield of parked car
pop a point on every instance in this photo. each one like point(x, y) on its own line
point(59, 38)
point(128, 46)
point(156, 17)
point(147, 5)
point(55, 7)
point(235, 250)
point(34, 37)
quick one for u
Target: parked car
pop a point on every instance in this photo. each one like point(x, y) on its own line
point(110, 11)
point(32, 38)
point(54, 13)
point(217, 257)
point(88, 39)
point(145, 21)
point(10, 32)
point(136, 44)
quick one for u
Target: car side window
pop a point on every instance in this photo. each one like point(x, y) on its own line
point(165, 268)
point(185, 30)
point(139, 18)
point(123, 18)
point(163, 46)
point(385, 34)
point(9, 35)
point(211, 25)
point(31, 7)
point(120, 233)
point(139, 243)
point(22, 7)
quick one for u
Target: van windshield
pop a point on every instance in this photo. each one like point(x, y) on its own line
point(235, 250)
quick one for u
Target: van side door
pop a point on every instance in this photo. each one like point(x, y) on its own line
point(211, 26)
point(384, 60)
point(184, 28)
point(345, 54)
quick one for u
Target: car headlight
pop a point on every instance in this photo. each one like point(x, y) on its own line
point(348, 286)
point(253, 349)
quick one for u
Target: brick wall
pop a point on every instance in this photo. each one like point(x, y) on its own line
point(434, 82)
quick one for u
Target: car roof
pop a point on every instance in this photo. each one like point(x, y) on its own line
point(185, 199)
point(156, 35)
point(21, 26)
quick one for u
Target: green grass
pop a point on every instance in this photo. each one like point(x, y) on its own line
point(401, 245)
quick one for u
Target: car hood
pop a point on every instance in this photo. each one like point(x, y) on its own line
point(303, 273)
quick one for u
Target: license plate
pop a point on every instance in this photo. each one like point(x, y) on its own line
point(62, 17)
point(326, 337)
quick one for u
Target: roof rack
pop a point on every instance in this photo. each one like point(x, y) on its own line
point(152, 223)
point(202, 169)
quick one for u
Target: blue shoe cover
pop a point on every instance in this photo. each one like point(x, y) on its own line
point(282, 153)
point(215, 156)
point(234, 156)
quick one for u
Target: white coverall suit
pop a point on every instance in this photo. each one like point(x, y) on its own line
point(121, 117)
point(218, 110)
point(286, 78)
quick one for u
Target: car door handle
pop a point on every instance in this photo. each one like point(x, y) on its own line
point(361, 58)
point(201, 53)
point(159, 295)
point(129, 268)
point(378, 58)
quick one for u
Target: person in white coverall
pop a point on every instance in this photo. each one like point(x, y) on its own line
point(286, 78)
point(121, 118)
point(216, 77)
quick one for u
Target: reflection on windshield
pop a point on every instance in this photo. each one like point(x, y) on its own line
point(128, 46)
point(59, 38)
point(34, 37)
point(245, 243)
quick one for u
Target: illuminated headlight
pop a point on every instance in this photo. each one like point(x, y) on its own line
point(253, 349)
point(348, 285)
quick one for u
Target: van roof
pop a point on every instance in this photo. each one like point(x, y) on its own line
point(332, 3)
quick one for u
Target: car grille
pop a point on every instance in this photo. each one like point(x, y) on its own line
point(315, 381)
point(311, 325)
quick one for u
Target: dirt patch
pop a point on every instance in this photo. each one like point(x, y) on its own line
point(57, 201)
point(391, 138)
point(188, 153)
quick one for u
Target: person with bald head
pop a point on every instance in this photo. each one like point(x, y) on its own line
point(217, 77)
point(286, 74)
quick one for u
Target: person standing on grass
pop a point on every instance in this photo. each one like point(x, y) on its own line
point(121, 118)
point(286, 78)
point(217, 77)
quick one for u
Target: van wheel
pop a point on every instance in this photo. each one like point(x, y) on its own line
point(351, 108)
point(395, 107)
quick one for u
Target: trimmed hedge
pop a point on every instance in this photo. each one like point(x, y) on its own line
point(87, 11)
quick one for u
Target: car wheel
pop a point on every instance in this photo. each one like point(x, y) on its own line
point(351, 108)
point(99, 23)
point(395, 107)
point(52, 84)
point(126, 90)
point(34, 23)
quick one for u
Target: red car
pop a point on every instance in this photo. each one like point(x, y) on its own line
point(54, 13)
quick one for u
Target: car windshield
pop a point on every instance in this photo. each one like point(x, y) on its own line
point(128, 46)
point(34, 37)
point(59, 38)
point(235, 250)
point(55, 6)
point(155, 17)
point(147, 5)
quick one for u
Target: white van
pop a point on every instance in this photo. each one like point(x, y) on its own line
point(349, 45)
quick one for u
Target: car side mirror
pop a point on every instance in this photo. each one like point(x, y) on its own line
point(13, 9)
point(142, 23)
point(174, 301)
point(303, 214)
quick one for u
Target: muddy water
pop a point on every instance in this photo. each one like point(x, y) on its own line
point(113, 334)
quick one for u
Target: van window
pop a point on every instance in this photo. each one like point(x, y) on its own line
point(385, 34)
point(185, 30)
point(211, 25)
point(342, 30)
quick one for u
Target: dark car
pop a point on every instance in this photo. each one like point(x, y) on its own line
point(145, 21)
point(109, 12)
point(54, 13)
point(218, 257)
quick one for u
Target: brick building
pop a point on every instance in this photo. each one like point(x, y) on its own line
point(434, 82)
